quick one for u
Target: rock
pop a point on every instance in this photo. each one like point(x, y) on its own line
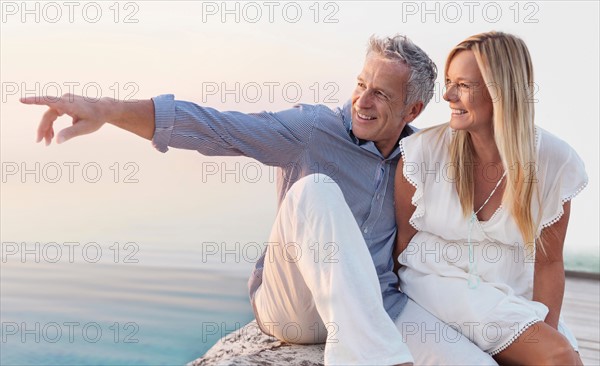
point(250, 346)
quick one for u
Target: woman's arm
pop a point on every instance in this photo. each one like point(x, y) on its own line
point(403, 193)
point(549, 276)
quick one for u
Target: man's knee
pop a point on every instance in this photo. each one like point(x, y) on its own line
point(312, 196)
point(314, 185)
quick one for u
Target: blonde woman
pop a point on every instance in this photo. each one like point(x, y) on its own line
point(482, 207)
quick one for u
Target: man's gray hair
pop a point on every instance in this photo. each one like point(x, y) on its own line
point(423, 71)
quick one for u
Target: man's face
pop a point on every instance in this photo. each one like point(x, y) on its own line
point(378, 108)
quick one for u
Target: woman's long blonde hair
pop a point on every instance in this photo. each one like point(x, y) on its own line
point(507, 71)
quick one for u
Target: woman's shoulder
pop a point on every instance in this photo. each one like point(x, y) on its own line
point(561, 174)
point(430, 141)
point(437, 132)
point(552, 149)
point(559, 166)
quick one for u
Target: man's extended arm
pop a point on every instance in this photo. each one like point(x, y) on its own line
point(271, 138)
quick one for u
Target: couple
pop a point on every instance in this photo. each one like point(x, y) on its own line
point(328, 273)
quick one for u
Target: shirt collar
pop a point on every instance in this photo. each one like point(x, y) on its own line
point(370, 145)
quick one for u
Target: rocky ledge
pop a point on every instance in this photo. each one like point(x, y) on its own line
point(250, 346)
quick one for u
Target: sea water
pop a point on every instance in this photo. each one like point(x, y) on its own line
point(89, 314)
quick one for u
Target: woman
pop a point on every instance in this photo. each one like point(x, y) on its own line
point(482, 206)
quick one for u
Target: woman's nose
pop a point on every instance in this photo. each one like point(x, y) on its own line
point(450, 93)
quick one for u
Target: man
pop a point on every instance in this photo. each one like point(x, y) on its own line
point(327, 273)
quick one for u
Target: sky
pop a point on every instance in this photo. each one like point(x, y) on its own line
point(248, 56)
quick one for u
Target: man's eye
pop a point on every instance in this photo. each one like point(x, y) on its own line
point(360, 84)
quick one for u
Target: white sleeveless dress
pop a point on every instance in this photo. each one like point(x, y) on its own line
point(435, 271)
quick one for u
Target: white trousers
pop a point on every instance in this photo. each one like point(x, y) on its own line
point(320, 285)
point(433, 342)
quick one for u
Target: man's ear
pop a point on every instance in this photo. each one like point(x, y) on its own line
point(413, 111)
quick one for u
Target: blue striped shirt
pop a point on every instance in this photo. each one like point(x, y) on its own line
point(303, 140)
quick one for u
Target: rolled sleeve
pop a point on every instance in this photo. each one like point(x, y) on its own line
point(164, 119)
point(276, 139)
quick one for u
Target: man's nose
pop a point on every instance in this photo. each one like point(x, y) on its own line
point(364, 99)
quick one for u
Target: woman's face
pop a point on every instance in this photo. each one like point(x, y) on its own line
point(469, 99)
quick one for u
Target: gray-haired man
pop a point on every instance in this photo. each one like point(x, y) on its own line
point(327, 273)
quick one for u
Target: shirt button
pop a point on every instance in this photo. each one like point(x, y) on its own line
point(365, 230)
point(378, 196)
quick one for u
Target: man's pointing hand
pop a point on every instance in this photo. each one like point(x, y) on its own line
point(89, 115)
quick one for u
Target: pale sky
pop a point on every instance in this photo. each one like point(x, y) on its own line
point(279, 53)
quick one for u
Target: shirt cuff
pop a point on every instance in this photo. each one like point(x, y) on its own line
point(164, 119)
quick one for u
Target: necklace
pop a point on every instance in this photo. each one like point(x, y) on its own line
point(473, 280)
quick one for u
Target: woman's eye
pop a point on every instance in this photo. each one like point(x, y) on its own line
point(463, 86)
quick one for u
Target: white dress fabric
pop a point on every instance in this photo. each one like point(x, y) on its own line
point(435, 271)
